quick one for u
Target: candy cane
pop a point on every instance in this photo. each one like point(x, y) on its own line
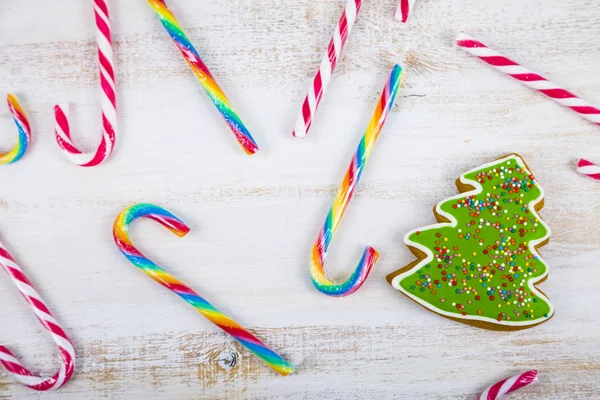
point(528, 77)
point(204, 76)
point(24, 138)
point(323, 77)
point(588, 168)
point(343, 197)
point(175, 225)
point(39, 308)
point(109, 108)
point(509, 385)
point(404, 8)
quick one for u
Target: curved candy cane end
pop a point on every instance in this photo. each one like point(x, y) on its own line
point(59, 337)
point(354, 281)
point(156, 213)
point(62, 133)
point(20, 119)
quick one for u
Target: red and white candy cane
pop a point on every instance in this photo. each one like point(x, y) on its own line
point(404, 8)
point(323, 77)
point(588, 168)
point(528, 77)
point(65, 347)
point(509, 385)
point(109, 107)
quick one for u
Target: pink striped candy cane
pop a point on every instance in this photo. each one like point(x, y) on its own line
point(65, 347)
point(509, 385)
point(528, 77)
point(404, 8)
point(109, 107)
point(323, 77)
point(588, 168)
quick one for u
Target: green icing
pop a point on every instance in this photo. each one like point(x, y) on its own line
point(482, 267)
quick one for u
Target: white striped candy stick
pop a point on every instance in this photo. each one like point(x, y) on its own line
point(588, 168)
point(404, 9)
point(323, 76)
point(528, 77)
point(63, 343)
point(109, 107)
point(509, 385)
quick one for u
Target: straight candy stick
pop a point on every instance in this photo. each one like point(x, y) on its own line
point(177, 226)
point(206, 79)
point(343, 197)
point(323, 77)
point(43, 314)
point(588, 168)
point(508, 385)
point(19, 149)
point(528, 77)
point(404, 9)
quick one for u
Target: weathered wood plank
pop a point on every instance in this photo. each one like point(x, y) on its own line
point(254, 219)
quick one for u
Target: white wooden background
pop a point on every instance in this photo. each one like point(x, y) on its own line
point(254, 219)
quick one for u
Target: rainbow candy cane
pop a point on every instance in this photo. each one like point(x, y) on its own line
point(343, 197)
point(509, 385)
point(203, 74)
point(178, 227)
point(15, 154)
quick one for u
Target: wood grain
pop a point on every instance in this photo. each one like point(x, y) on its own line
point(254, 219)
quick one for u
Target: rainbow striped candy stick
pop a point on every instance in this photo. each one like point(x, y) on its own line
point(175, 225)
point(343, 197)
point(206, 79)
point(20, 119)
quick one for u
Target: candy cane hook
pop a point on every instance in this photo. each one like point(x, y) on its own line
point(509, 385)
point(19, 149)
point(343, 197)
point(109, 102)
point(65, 347)
point(178, 227)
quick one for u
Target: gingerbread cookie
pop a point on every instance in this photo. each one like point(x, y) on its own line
point(479, 265)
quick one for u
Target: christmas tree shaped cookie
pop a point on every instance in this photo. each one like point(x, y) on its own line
point(479, 265)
